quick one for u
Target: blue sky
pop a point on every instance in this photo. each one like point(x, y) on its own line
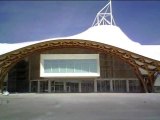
point(22, 21)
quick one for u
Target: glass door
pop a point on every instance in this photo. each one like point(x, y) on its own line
point(134, 86)
point(43, 86)
point(52, 86)
point(103, 86)
point(119, 86)
point(34, 86)
point(87, 86)
point(72, 87)
point(59, 87)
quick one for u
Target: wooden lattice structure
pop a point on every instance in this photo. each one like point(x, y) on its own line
point(137, 62)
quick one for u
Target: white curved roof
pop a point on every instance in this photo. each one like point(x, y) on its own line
point(113, 35)
point(107, 34)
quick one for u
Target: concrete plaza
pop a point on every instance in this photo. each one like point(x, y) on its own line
point(80, 106)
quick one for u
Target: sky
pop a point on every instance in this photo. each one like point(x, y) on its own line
point(22, 21)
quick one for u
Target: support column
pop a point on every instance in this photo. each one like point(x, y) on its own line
point(64, 87)
point(127, 85)
point(0, 86)
point(79, 86)
point(30, 86)
point(38, 87)
point(95, 85)
point(139, 76)
point(2, 76)
point(6, 81)
point(111, 86)
point(49, 86)
point(151, 80)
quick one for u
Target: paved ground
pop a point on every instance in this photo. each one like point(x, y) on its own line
point(93, 106)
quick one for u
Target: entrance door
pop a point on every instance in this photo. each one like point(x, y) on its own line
point(72, 87)
point(119, 85)
point(87, 86)
point(34, 86)
point(59, 87)
point(134, 86)
point(43, 86)
point(103, 86)
point(52, 86)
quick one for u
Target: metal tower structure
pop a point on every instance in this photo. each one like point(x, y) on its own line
point(104, 16)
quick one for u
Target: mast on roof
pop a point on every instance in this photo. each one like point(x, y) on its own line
point(104, 16)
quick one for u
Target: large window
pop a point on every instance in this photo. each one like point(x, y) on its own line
point(71, 65)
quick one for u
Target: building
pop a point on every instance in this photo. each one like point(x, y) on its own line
point(92, 61)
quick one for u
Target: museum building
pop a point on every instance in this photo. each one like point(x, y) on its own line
point(100, 59)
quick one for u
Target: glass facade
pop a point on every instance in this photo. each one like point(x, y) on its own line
point(70, 66)
point(83, 73)
point(85, 86)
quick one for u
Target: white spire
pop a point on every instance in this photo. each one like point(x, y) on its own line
point(104, 16)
